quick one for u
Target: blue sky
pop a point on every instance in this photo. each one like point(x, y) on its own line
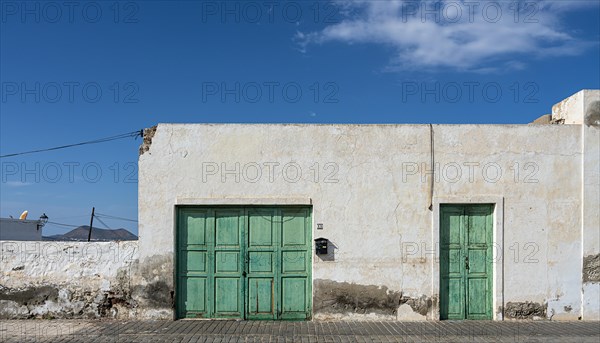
point(77, 72)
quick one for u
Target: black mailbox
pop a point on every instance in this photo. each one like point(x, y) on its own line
point(321, 246)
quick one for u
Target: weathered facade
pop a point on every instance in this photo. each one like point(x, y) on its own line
point(422, 222)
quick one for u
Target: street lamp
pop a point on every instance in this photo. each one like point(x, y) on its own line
point(43, 220)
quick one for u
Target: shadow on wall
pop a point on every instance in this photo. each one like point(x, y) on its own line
point(592, 115)
point(330, 256)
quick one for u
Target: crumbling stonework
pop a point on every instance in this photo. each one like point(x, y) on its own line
point(349, 298)
point(154, 289)
point(67, 279)
point(83, 280)
point(591, 268)
point(525, 310)
point(118, 298)
point(421, 305)
point(148, 135)
point(335, 297)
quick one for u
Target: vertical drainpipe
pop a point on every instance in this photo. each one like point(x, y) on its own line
point(430, 202)
point(431, 155)
point(503, 266)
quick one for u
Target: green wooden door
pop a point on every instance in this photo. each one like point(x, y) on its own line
point(209, 269)
point(227, 277)
point(295, 295)
point(466, 261)
point(262, 263)
point(192, 263)
point(252, 262)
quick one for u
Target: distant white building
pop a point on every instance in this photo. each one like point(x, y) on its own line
point(20, 230)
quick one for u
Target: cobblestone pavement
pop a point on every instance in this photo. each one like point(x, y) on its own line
point(269, 331)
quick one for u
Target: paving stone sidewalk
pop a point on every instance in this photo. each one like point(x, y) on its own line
point(185, 331)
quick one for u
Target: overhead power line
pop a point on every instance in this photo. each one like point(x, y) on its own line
point(103, 223)
point(114, 217)
point(133, 134)
point(97, 216)
point(61, 224)
point(71, 217)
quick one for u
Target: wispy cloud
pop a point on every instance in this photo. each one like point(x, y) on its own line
point(460, 35)
point(16, 184)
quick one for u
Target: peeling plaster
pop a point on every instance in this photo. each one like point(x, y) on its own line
point(591, 268)
point(525, 310)
point(346, 300)
point(336, 297)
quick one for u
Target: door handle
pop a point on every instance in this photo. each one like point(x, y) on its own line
point(244, 273)
point(467, 262)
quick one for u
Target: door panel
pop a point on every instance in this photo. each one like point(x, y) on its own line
point(295, 264)
point(260, 262)
point(477, 293)
point(227, 290)
point(260, 298)
point(262, 256)
point(196, 287)
point(228, 266)
point(452, 288)
point(455, 300)
point(294, 228)
point(192, 273)
point(260, 228)
point(227, 229)
point(294, 295)
point(478, 249)
point(227, 262)
point(465, 261)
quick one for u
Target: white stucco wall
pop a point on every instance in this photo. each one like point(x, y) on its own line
point(590, 110)
point(372, 194)
point(52, 279)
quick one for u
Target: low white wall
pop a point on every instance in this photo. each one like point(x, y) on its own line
point(51, 279)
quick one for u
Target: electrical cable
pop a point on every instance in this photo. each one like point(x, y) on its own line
point(114, 217)
point(133, 134)
point(101, 222)
point(71, 217)
point(61, 224)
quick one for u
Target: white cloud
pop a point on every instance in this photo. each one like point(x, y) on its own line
point(15, 184)
point(460, 35)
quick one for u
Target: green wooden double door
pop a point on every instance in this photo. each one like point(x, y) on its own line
point(244, 262)
point(466, 261)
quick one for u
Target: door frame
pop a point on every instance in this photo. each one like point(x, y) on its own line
point(497, 248)
point(259, 203)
